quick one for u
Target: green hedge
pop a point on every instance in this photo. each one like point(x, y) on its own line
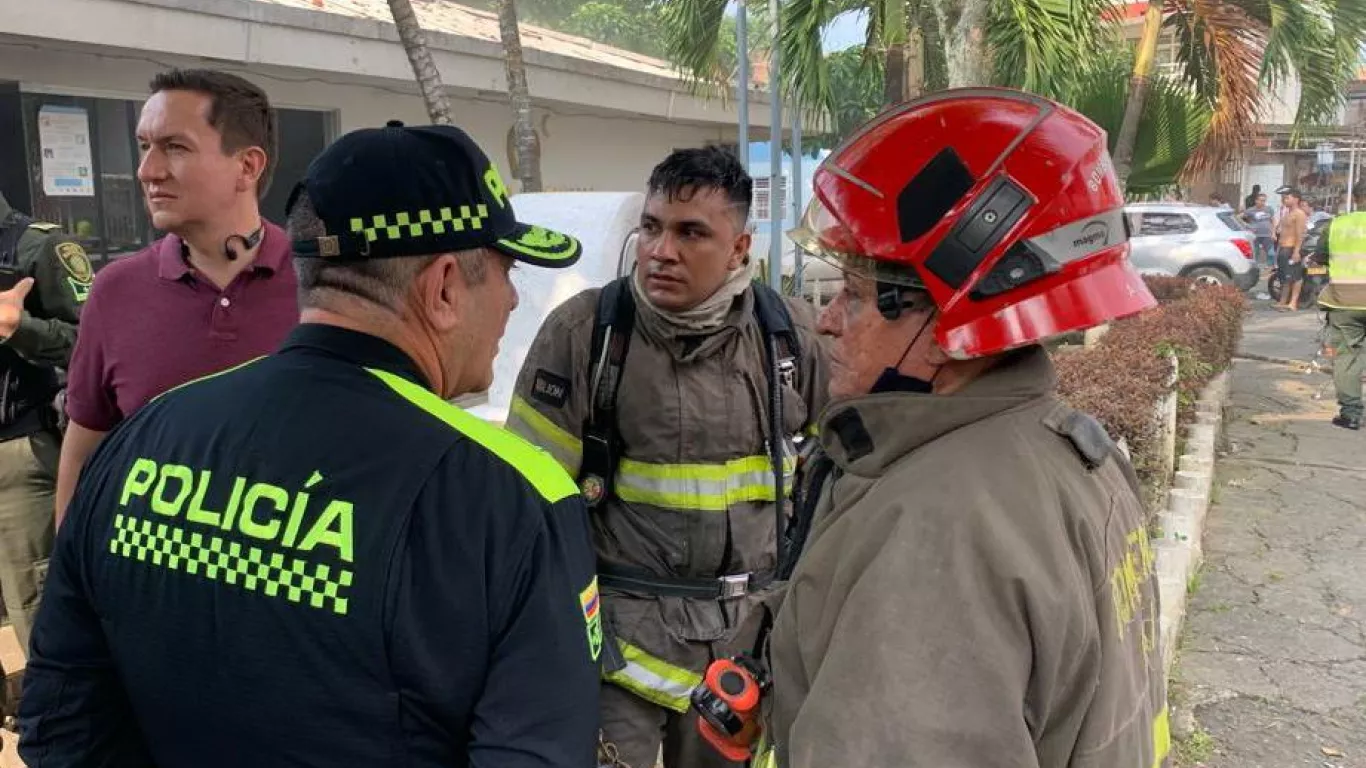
point(1121, 379)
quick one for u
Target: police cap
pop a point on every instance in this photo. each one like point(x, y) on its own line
point(412, 191)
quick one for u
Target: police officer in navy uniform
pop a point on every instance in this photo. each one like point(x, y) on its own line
point(314, 559)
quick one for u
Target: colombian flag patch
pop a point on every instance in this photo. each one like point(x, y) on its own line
point(592, 616)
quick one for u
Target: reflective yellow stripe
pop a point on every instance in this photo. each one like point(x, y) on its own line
point(533, 425)
point(765, 755)
point(534, 464)
point(654, 680)
point(1162, 738)
point(208, 376)
point(694, 487)
point(698, 487)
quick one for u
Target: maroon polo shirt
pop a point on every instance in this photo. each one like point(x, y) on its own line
point(152, 322)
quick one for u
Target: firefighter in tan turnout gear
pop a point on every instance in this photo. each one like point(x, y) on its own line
point(658, 392)
point(977, 587)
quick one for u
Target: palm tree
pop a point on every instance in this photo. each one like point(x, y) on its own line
point(1235, 52)
point(924, 44)
point(528, 145)
point(424, 68)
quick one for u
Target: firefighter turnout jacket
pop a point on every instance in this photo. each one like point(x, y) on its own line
point(314, 560)
point(978, 589)
point(694, 490)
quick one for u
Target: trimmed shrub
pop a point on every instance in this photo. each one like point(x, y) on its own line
point(1122, 378)
point(1168, 289)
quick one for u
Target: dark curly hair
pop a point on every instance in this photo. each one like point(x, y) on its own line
point(685, 172)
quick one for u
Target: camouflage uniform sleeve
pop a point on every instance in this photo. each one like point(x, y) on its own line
point(550, 399)
point(62, 276)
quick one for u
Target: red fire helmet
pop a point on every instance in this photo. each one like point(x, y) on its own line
point(1002, 205)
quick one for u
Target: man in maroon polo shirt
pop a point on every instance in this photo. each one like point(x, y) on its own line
point(217, 291)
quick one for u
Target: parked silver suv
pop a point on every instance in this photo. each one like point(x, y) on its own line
point(1198, 241)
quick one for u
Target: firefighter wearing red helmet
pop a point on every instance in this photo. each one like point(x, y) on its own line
point(976, 588)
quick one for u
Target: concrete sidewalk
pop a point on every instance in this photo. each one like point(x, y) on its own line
point(1273, 660)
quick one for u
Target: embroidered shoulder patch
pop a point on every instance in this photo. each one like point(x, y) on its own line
point(550, 389)
point(76, 263)
point(592, 617)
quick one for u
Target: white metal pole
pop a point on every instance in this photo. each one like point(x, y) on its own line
point(796, 189)
point(1351, 175)
point(742, 53)
point(775, 152)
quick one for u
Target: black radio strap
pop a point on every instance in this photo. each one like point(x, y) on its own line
point(612, 331)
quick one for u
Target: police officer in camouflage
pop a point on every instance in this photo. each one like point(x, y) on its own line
point(44, 279)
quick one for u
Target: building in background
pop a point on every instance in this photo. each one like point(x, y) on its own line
point(1319, 166)
point(74, 73)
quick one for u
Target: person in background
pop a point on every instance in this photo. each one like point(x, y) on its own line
point(1289, 258)
point(217, 291)
point(1258, 218)
point(1343, 246)
point(1218, 201)
point(1251, 199)
point(44, 280)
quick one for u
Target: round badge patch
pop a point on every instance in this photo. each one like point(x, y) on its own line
point(593, 489)
point(76, 263)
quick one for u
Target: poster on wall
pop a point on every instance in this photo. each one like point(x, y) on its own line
point(64, 138)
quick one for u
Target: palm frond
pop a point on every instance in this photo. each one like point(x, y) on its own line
point(1222, 51)
point(1042, 45)
point(805, 74)
point(692, 40)
point(1173, 124)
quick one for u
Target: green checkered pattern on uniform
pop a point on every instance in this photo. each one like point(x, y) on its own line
point(274, 575)
point(424, 222)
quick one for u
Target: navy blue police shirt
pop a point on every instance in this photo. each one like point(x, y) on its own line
point(312, 560)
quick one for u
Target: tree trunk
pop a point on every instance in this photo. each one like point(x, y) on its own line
point(915, 63)
point(963, 24)
point(424, 68)
point(904, 70)
point(528, 144)
point(1138, 92)
point(894, 75)
point(894, 37)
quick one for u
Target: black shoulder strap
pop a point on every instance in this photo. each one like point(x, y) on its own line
point(774, 320)
point(613, 327)
point(12, 228)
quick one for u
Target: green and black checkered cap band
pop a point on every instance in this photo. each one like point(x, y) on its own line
point(271, 574)
point(400, 191)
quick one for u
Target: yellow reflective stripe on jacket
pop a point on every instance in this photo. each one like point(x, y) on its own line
point(653, 679)
point(524, 419)
point(694, 487)
point(765, 754)
point(535, 465)
point(1162, 738)
point(699, 487)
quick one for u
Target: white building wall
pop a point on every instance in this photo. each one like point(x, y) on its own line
point(581, 148)
point(602, 128)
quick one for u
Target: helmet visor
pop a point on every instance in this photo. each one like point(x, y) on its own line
point(825, 237)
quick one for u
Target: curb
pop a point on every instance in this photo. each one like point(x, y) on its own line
point(1179, 551)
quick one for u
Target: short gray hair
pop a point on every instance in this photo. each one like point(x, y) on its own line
point(380, 281)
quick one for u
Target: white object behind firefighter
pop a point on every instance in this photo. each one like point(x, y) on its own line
point(604, 223)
